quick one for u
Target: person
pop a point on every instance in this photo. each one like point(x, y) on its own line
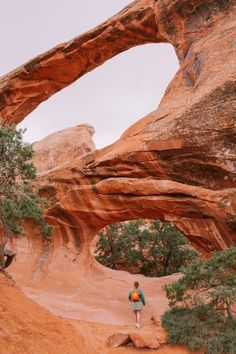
point(136, 297)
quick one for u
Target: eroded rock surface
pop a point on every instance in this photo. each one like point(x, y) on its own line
point(138, 338)
point(66, 145)
point(177, 163)
point(118, 339)
point(28, 328)
point(141, 340)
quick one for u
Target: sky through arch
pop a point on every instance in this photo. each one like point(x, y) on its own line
point(113, 96)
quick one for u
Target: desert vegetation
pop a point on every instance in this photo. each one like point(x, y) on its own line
point(202, 305)
point(152, 248)
point(19, 200)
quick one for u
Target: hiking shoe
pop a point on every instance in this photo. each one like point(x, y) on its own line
point(137, 325)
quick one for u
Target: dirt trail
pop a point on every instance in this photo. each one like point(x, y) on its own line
point(28, 328)
point(96, 335)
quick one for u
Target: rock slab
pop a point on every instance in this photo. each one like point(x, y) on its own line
point(139, 340)
point(118, 339)
point(144, 340)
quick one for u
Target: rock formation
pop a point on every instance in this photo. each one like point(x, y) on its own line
point(145, 341)
point(28, 328)
point(139, 340)
point(178, 163)
point(61, 274)
point(69, 144)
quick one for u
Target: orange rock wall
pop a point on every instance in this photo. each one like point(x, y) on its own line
point(177, 163)
point(28, 328)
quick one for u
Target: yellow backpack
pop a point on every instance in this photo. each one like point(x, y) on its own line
point(135, 295)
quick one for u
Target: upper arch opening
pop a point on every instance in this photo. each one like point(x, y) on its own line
point(111, 98)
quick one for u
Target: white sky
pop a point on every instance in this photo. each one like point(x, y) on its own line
point(113, 96)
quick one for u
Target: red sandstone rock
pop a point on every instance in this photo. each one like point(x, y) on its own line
point(26, 327)
point(23, 89)
point(177, 163)
point(141, 340)
point(61, 147)
point(118, 339)
point(156, 319)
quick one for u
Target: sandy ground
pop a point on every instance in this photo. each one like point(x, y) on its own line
point(62, 306)
point(28, 328)
point(96, 336)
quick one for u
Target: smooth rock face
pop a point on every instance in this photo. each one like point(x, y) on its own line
point(118, 339)
point(66, 145)
point(28, 328)
point(141, 340)
point(176, 164)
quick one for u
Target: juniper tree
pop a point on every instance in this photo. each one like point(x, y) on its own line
point(152, 248)
point(167, 251)
point(110, 246)
point(202, 304)
point(19, 199)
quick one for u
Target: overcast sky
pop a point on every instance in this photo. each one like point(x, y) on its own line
point(113, 96)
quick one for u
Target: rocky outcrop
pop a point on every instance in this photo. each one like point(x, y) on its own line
point(138, 339)
point(177, 164)
point(26, 327)
point(66, 145)
point(141, 340)
point(116, 340)
point(23, 89)
point(60, 273)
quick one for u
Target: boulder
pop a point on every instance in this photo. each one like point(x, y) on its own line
point(144, 340)
point(118, 339)
point(64, 146)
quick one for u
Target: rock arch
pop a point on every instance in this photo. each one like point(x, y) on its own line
point(178, 163)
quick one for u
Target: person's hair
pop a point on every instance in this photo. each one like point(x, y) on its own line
point(136, 284)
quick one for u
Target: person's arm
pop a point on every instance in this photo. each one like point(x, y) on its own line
point(142, 298)
point(129, 296)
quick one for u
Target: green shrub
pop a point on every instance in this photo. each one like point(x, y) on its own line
point(19, 200)
point(151, 248)
point(201, 305)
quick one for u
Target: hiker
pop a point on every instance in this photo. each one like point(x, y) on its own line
point(136, 297)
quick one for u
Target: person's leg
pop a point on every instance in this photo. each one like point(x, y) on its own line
point(135, 314)
point(138, 317)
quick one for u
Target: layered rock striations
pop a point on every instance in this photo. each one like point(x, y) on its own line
point(177, 163)
point(66, 145)
point(25, 88)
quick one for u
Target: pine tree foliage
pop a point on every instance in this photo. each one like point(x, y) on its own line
point(110, 246)
point(152, 248)
point(202, 304)
point(19, 199)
